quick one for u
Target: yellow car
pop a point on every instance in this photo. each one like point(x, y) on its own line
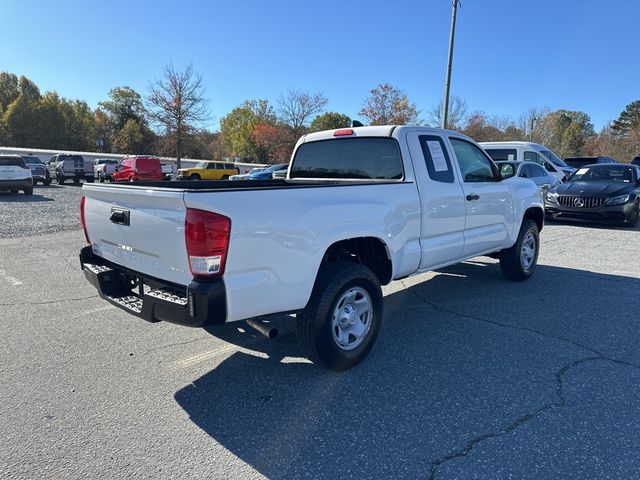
point(208, 171)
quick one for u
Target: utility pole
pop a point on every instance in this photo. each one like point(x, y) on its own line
point(447, 85)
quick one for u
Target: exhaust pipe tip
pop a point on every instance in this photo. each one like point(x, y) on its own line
point(265, 329)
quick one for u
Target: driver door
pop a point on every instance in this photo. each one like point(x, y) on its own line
point(488, 202)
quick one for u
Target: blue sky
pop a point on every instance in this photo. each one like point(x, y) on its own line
point(510, 55)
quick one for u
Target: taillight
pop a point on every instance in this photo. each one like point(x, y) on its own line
point(82, 220)
point(207, 238)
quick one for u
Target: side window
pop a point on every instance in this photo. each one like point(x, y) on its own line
point(474, 164)
point(532, 157)
point(525, 171)
point(436, 158)
point(211, 166)
point(537, 172)
point(219, 166)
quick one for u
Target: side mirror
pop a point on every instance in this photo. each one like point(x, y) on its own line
point(506, 171)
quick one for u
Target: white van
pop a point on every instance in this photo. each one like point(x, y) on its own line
point(529, 152)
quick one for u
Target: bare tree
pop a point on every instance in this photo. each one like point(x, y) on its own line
point(457, 114)
point(296, 108)
point(177, 103)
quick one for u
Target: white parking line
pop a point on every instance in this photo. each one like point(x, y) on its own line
point(12, 280)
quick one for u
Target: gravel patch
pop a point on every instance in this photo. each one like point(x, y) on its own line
point(50, 209)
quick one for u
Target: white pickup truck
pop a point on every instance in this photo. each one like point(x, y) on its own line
point(360, 207)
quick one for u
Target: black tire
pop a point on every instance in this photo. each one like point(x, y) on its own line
point(194, 176)
point(100, 178)
point(60, 180)
point(314, 326)
point(47, 182)
point(15, 191)
point(511, 260)
point(634, 217)
point(35, 182)
point(225, 177)
point(90, 179)
point(76, 181)
point(28, 191)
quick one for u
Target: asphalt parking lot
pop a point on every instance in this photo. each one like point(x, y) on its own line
point(472, 376)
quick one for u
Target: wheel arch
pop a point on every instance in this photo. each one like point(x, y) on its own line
point(371, 252)
point(536, 214)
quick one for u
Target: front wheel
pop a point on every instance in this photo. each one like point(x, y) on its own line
point(634, 216)
point(194, 176)
point(519, 262)
point(60, 180)
point(342, 320)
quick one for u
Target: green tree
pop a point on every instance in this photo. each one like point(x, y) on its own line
point(330, 121)
point(21, 119)
point(573, 140)
point(130, 138)
point(9, 90)
point(387, 105)
point(237, 127)
point(629, 120)
point(125, 104)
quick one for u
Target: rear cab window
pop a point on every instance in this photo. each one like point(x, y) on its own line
point(367, 158)
point(436, 157)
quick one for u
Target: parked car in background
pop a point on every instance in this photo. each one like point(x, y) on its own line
point(267, 173)
point(529, 152)
point(636, 161)
point(599, 192)
point(534, 172)
point(66, 166)
point(244, 176)
point(104, 169)
point(39, 170)
point(280, 174)
point(139, 169)
point(168, 170)
point(15, 175)
point(209, 171)
point(579, 162)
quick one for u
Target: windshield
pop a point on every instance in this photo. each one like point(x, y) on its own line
point(32, 160)
point(201, 165)
point(553, 158)
point(607, 173)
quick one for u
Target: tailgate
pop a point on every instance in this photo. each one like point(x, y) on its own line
point(139, 228)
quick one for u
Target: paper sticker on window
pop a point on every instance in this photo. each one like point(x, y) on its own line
point(437, 155)
point(510, 157)
point(582, 171)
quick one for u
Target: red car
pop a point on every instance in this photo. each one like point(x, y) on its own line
point(139, 169)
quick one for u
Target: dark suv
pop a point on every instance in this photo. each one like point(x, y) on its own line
point(38, 169)
point(579, 162)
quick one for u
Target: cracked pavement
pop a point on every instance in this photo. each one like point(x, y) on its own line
point(472, 377)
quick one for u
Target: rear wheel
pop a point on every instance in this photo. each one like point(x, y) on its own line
point(60, 179)
point(519, 262)
point(76, 181)
point(342, 320)
point(28, 191)
point(225, 177)
point(15, 191)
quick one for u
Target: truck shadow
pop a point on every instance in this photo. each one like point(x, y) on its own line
point(457, 357)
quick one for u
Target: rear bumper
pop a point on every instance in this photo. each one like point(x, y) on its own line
point(17, 184)
point(200, 304)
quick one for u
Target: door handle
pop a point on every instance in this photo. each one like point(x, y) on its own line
point(471, 197)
